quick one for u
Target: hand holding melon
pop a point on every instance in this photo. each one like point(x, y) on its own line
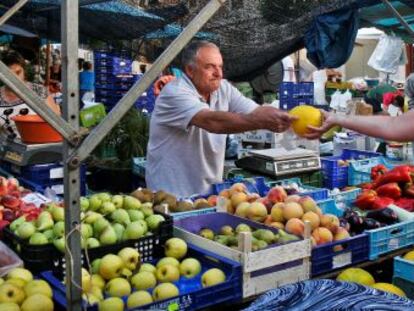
point(306, 116)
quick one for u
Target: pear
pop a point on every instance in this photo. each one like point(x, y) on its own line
point(108, 236)
point(38, 287)
point(20, 273)
point(86, 231)
point(49, 234)
point(98, 281)
point(84, 204)
point(111, 304)
point(25, 230)
point(58, 213)
point(119, 230)
point(17, 222)
point(9, 306)
point(135, 215)
point(94, 202)
point(118, 200)
point(95, 265)
point(59, 229)
point(107, 208)
point(38, 238)
point(44, 221)
point(92, 243)
point(60, 244)
point(138, 299)
point(144, 225)
point(121, 216)
point(99, 226)
point(11, 293)
point(131, 202)
point(133, 231)
point(105, 197)
point(37, 302)
point(91, 217)
point(146, 208)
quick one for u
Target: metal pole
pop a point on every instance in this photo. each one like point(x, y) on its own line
point(70, 83)
point(95, 137)
point(11, 11)
point(398, 16)
point(36, 103)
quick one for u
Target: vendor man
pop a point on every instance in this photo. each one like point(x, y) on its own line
point(190, 121)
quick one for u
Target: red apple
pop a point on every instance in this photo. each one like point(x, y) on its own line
point(277, 194)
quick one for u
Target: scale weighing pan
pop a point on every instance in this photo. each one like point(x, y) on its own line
point(281, 154)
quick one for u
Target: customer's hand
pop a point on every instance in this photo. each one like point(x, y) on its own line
point(329, 121)
point(272, 119)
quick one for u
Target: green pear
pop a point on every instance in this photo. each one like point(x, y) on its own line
point(92, 243)
point(133, 231)
point(86, 231)
point(84, 204)
point(108, 236)
point(139, 299)
point(99, 225)
point(104, 197)
point(60, 244)
point(147, 210)
point(107, 208)
point(25, 230)
point(144, 225)
point(121, 216)
point(58, 213)
point(153, 221)
point(143, 280)
point(118, 201)
point(111, 304)
point(131, 202)
point(91, 217)
point(135, 215)
point(119, 230)
point(44, 221)
point(59, 229)
point(147, 267)
point(50, 235)
point(94, 202)
point(95, 265)
point(17, 222)
point(38, 238)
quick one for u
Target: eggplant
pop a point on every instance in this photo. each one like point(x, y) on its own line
point(370, 224)
point(344, 224)
point(385, 215)
point(349, 213)
point(356, 223)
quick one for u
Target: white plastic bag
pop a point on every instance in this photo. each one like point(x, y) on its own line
point(335, 100)
point(8, 260)
point(344, 98)
point(319, 80)
point(388, 54)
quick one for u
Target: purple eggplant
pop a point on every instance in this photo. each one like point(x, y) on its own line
point(356, 223)
point(385, 215)
point(344, 224)
point(370, 224)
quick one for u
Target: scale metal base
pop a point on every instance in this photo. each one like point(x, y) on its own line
point(21, 154)
point(278, 162)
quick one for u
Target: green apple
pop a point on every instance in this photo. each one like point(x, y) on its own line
point(133, 231)
point(212, 277)
point(92, 243)
point(38, 238)
point(107, 208)
point(59, 229)
point(20, 273)
point(130, 257)
point(96, 265)
point(138, 299)
point(175, 247)
point(11, 306)
point(38, 287)
point(168, 261)
point(167, 273)
point(135, 215)
point(111, 304)
point(207, 233)
point(118, 287)
point(108, 236)
point(59, 243)
point(111, 266)
point(37, 302)
point(243, 228)
point(118, 200)
point(143, 280)
point(84, 204)
point(165, 291)
point(154, 221)
point(131, 202)
point(190, 267)
point(11, 293)
point(99, 225)
point(26, 230)
point(58, 213)
point(50, 235)
point(94, 202)
point(147, 267)
point(121, 216)
point(119, 230)
point(16, 282)
point(97, 281)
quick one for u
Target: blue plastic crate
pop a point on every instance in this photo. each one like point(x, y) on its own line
point(336, 176)
point(330, 207)
point(359, 172)
point(192, 295)
point(339, 254)
point(404, 269)
point(390, 238)
point(317, 194)
point(345, 198)
point(254, 185)
point(203, 211)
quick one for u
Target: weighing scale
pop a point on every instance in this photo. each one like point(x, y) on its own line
point(21, 154)
point(278, 162)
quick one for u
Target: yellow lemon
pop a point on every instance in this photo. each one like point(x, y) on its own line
point(409, 256)
point(390, 288)
point(307, 115)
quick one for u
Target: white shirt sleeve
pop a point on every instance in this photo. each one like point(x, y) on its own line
point(176, 107)
point(238, 103)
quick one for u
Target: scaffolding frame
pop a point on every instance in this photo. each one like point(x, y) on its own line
point(76, 147)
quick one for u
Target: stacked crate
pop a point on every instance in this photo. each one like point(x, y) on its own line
point(295, 94)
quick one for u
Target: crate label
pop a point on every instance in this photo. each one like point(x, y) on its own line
point(57, 188)
point(269, 166)
point(35, 198)
point(56, 173)
point(341, 260)
point(394, 243)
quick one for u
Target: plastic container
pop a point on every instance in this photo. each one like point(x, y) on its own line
point(395, 151)
point(271, 267)
point(335, 175)
point(192, 295)
point(181, 215)
point(138, 166)
point(317, 194)
point(34, 130)
point(254, 185)
point(404, 269)
point(345, 198)
point(359, 172)
point(406, 286)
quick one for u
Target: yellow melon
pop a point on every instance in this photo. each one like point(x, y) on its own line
point(409, 256)
point(390, 288)
point(307, 115)
point(356, 275)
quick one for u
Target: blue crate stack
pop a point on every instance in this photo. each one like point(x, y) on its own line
point(113, 79)
point(295, 94)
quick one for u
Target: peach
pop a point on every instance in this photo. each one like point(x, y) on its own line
point(257, 212)
point(212, 200)
point(242, 208)
point(322, 235)
point(277, 212)
point(313, 241)
point(251, 197)
point(292, 210)
point(238, 198)
point(295, 226)
point(229, 207)
point(308, 204)
point(277, 225)
point(266, 202)
point(268, 220)
point(225, 193)
point(10, 202)
point(319, 211)
point(330, 222)
point(293, 198)
point(238, 187)
point(277, 194)
point(341, 234)
point(313, 218)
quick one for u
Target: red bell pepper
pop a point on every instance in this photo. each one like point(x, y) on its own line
point(377, 171)
point(404, 203)
point(390, 190)
point(381, 202)
point(399, 174)
point(366, 199)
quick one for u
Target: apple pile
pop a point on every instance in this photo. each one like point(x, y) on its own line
point(106, 220)
point(123, 276)
point(19, 291)
point(261, 238)
point(281, 211)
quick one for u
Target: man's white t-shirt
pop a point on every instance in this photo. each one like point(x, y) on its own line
point(183, 159)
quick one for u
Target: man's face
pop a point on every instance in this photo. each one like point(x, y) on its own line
point(207, 72)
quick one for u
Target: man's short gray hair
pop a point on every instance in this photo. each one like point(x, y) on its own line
point(190, 52)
